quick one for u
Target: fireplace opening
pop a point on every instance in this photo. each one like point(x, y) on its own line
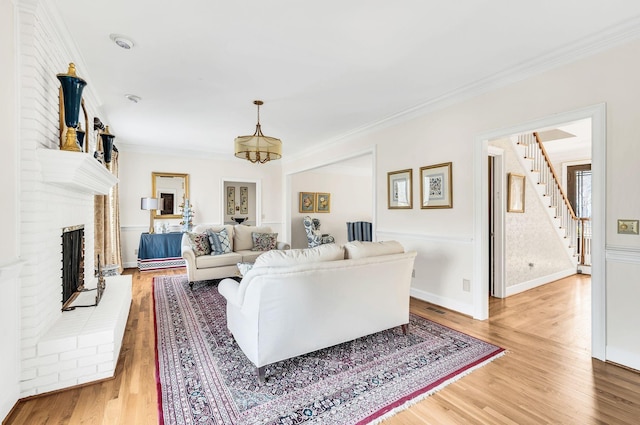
point(72, 264)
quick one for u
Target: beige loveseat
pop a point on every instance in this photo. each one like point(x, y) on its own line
point(205, 267)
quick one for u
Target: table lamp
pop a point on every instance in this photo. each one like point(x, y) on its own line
point(149, 204)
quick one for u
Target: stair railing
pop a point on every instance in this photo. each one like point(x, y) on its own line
point(535, 151)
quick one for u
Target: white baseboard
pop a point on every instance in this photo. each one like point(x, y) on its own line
point(443, 301)
point(525, 286)
point(131, 265)
point(623, 357)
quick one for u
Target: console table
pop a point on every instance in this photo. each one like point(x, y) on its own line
point(160, 251)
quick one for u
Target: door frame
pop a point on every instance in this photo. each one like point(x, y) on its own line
point(499, 208)
point(223, 196)
point(480, 287)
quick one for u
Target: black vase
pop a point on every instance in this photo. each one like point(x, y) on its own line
point(107, 144)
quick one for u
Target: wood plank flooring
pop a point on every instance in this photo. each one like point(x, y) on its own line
point(547, 376)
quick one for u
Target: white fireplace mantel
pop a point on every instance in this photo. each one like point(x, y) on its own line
point(76, 170)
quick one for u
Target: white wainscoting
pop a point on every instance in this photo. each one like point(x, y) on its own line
point(442, 264)
point(623, 315)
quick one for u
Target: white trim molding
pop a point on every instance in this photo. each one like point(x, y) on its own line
point(622, 254)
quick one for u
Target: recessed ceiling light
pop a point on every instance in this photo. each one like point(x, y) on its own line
point(121, 41)
point(133, 98)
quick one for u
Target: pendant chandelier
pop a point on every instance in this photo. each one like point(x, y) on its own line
point(258, 147)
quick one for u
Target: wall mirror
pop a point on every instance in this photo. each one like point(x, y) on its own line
point(171, 189)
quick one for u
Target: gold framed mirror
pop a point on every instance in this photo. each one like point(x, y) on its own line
point(171, 189)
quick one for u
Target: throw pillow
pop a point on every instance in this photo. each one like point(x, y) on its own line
point(264, 241)
point(220, 242)
point(199, 243)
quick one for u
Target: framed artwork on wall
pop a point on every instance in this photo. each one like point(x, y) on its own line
point(244, 200)
point(323, 202)
point(307, 202)
point(436, 186)
point(515, 193)
point(399, 189)
point(231, 200)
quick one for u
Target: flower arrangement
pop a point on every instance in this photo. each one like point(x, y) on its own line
point(187, 216)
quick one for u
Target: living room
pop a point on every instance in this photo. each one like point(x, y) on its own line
point(449, 241)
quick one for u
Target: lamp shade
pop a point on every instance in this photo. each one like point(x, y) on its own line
point(149, 204)
point(258, 147)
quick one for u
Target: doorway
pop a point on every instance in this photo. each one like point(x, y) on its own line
point(241, 200)
point(480, 288)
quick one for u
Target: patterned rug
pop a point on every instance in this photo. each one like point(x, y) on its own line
point(204, 378)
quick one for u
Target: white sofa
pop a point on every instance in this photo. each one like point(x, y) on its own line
point(206, 267)
point(298, 301)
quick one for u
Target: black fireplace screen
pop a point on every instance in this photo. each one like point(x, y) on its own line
point(72, 262)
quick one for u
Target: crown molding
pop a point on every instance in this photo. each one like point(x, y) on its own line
point(588, 46)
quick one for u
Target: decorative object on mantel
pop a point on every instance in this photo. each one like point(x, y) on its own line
point(80, 135)
point(239, 220)
point(258, 147)
point(71, 86)
point(187, 216)
point(149, 204)
point(107, 144)
point(99, 127)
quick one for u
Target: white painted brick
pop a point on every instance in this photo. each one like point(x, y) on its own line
point(107, 367)
point(28, 374)
point(78, 372)
point(106, 348)
point(57, 345)
point(94, 377)
point(40, 361)
point(58, 385)
point(96, 359)
point(42, 380)
point(79, 353)
point(57, 367)
point(95, 339)
point(28, 353)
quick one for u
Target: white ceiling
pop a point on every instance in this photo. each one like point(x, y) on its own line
point(324, 69)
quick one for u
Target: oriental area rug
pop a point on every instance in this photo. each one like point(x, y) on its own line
point(204, 378)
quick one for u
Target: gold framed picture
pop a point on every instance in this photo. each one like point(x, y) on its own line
point(515, 193)
point(323, 202)
point(400, 189)
point(307, 202)
point(436, 188)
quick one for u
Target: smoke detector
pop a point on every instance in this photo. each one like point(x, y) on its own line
point(133, 98)
point(121, 41)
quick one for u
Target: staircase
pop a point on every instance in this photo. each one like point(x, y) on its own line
point(574, 231)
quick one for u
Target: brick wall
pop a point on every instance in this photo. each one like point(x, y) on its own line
point(52, 356)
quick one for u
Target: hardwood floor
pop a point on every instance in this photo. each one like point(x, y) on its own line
point(547, 376)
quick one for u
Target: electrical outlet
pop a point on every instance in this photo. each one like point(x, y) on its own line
point(135, 251)
point(413, 273)
point(466, 285)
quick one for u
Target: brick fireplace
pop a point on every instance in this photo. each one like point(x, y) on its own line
point(64, 349)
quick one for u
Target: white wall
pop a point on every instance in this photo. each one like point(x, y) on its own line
point(9, 251)
point(205, 192)
point(351, 200)
point(443, 237)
